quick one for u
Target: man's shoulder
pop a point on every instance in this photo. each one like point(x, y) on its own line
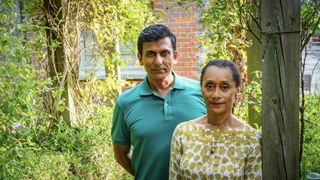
point(189, 83)
point(130, 95)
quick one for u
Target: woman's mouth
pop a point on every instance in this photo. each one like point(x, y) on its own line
point(217, 104)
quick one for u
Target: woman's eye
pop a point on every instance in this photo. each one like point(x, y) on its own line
point(225, 87)
point(209, 86)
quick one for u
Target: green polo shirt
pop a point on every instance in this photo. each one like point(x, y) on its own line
point(146, 120)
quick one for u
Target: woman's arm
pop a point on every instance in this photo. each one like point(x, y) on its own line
point(253, 167)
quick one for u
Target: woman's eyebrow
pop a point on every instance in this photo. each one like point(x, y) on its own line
point(208, 81)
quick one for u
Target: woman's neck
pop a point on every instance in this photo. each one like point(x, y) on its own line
point(222, 121)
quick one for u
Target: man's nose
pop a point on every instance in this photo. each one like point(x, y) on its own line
point(158, 60)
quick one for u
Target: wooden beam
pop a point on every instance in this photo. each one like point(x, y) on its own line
point(281, 57)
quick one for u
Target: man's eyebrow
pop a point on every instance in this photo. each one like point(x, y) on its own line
point(225, 81)
point(149, 51)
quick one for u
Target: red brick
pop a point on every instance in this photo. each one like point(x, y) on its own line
point(184, 19)
point(183, 23)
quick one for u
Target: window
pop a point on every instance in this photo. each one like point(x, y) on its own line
point(91, 63)
point(132, 70)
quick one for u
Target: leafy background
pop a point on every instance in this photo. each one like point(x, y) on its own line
point(35, 145)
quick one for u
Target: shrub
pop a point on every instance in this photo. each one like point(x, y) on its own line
point(311, 147)
point(83, 152)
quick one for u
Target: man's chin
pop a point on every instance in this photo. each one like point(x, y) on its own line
point(159, 76)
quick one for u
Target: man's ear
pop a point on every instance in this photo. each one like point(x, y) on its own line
point(140, 58)
point(175, 57)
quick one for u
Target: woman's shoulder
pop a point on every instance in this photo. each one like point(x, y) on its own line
point(187, 125)
point(249, 131)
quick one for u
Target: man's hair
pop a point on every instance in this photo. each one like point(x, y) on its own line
point(154, 33)
point(223, 64)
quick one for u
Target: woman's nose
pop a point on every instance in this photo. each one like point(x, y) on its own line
point(216, 93)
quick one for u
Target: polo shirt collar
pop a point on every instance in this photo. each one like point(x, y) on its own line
point(178, 83)
point(146, 90)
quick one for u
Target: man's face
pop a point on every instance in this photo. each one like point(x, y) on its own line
point(158, 58)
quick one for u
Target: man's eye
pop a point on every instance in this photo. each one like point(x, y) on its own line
point(150, 54)
point(165, 53)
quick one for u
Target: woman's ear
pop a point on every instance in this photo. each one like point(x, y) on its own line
point(238, 96)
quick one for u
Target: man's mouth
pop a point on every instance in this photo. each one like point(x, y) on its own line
point(158, 69)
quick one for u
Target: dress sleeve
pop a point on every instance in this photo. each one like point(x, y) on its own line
point(119, 132)
point(175, 155)
point(253, 167)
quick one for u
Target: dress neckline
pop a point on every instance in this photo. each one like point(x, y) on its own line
point(217, 129)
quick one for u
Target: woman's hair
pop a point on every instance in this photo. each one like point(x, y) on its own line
point(223, 64)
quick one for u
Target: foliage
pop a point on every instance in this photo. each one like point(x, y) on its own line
point(310, 20)
point(310, 157)
point(118, 22)
point(224, 24)
point(223, 37)
point(84, 152)
point(20, 87)
point(252, 95)
point(32, 147)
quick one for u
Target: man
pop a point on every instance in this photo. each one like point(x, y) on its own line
point(146, 115)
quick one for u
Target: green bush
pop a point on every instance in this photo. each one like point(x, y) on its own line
point(83, 152)
point(30, 147)
point(311, 146)
point(33, 149)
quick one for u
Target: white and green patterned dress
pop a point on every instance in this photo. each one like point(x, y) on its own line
point(198, 152)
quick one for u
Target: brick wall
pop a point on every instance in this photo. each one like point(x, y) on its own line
point(183, 23)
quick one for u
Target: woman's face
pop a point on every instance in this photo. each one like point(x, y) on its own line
point(219, 90)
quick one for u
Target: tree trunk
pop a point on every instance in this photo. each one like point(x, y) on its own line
point(58, 65)
point(281, 55)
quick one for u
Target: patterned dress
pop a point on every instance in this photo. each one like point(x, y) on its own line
point(198, 152)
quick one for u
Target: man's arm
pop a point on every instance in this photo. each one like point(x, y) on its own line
point(122, 156)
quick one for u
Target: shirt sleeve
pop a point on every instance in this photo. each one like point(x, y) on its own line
point(175, 155)
point(253, 167)
point(120, 133)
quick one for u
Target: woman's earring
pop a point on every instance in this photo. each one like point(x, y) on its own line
point(239, 97)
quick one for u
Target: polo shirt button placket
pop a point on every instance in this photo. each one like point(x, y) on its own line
point(166, 110)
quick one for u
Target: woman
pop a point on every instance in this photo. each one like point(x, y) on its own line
point(217, 145)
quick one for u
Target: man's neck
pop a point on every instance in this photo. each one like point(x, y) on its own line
point(162, 86)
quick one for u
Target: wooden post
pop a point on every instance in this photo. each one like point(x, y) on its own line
point(280, 25)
